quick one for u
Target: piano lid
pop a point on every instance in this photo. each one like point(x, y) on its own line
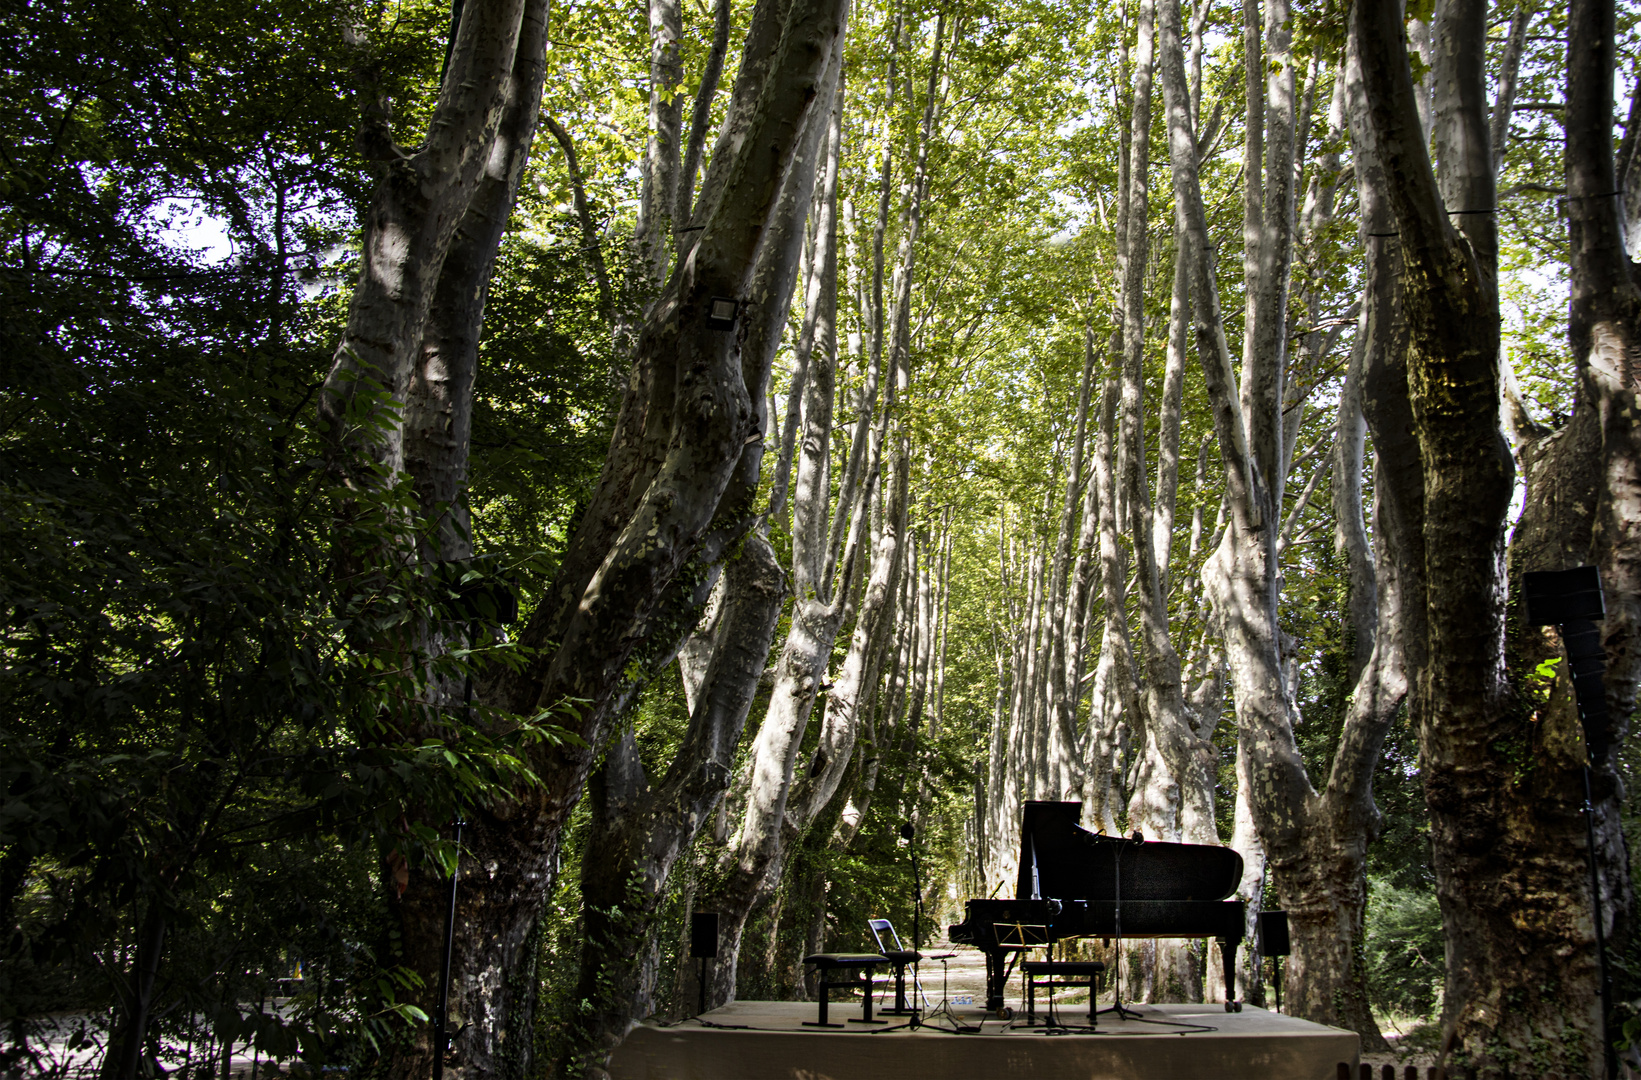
point(1068, 862)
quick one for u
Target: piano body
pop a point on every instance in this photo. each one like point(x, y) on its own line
point(1078, 883)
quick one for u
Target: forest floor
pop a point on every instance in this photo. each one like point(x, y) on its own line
point(70, 1046)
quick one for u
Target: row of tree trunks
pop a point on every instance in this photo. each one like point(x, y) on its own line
point(780, 806)
point(1172, 796)
point(1312, 843)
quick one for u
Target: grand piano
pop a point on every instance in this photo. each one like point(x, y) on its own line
point(1076, 883)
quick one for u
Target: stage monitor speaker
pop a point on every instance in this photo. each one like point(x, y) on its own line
point(1563, 596)
point(703, 935)
point(1273, 933)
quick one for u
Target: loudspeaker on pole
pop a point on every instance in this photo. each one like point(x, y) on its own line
point(703, 935)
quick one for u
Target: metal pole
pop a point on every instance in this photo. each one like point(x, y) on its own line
point(440, 1038)
point(917, 912)
point(1600, 931)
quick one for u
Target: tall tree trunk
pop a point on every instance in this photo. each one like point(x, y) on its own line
point(420, 201)
point(431, 234)
point(1065, 743)
point(1509, 70)
point(637, 833)
point(658, 197)
point(654, 505)
point(1172, 795)
point(1604, 327)
point(1505, 829)
point(1582, 486)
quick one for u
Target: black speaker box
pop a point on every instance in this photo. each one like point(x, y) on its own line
point(703, 934)
point(1273, 933)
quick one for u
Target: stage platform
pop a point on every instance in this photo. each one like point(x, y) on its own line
point(766, 1040)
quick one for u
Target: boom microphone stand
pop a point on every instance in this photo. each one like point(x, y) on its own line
point(1116, 919)
point(441, 1039)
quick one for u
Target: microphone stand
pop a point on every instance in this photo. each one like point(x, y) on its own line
point(1116, 919)
point(910, 833)
point(441, 1040)
point(441, 1022)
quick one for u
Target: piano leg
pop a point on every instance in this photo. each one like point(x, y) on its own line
point(996, 979)
point(1227, 954)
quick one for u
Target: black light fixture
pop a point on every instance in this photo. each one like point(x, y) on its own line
point(1571, 600)
point(1273, 943)
point(721, 313)
point(703, 945)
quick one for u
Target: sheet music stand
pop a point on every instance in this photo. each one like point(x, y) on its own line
point(1021, 937)
point(1015, 935)
point(944, 1010)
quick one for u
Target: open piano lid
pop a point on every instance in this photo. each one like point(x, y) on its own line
point(1073, 863)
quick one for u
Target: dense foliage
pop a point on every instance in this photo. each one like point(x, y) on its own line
point(212, 768)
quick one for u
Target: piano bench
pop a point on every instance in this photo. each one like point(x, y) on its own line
point(828, 964)
point(1050, 974)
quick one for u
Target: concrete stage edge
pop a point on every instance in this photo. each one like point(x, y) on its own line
point(770, 1043)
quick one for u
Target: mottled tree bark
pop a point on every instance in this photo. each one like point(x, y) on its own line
point(1505, 832)
point(638, 832)
point(622, 594)
point(1581, 507)
point(420, 201)
point(635, 838)
point(431, 236)
point(663, 154)
point(1313, 842)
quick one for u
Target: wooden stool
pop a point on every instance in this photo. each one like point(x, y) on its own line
point(827, 963)
point(1059, 973)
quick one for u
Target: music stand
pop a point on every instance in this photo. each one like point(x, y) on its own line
point(944, 1009)
point(1020, 937)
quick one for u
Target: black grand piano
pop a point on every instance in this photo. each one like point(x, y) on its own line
point(1077, 883)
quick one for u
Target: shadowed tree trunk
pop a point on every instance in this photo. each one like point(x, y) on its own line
point(1604, 327)
point(430, 240)
point(625, 593)
point(1505, 831)
point(1581, 507)
point(637, 835)
point(638, 832)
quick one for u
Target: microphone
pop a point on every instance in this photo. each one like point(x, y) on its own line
point(906, 831)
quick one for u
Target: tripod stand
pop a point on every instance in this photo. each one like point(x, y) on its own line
point(944, 1010)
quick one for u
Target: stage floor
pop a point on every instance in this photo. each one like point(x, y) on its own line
point(765, 1040)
